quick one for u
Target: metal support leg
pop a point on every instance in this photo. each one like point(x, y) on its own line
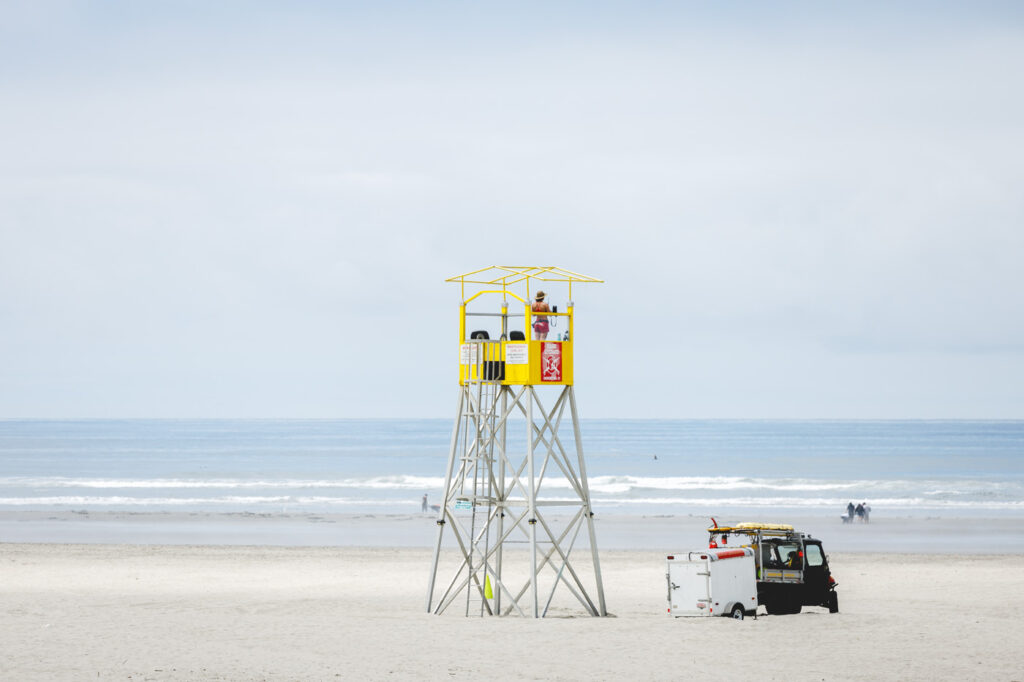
point(533, 506)
point(444, 501)
point(586, 500)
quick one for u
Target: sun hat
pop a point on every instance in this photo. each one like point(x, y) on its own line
point(540, 295)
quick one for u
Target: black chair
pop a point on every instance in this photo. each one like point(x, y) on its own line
point(516, 336)
point(480, 334)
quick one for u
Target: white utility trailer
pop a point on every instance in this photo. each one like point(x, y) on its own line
point(713, 582)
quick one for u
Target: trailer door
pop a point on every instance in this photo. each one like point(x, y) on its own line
point(689, 587)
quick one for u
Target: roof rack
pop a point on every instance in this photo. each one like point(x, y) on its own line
point(766, 530)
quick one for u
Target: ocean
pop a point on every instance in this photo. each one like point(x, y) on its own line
point(636, 467)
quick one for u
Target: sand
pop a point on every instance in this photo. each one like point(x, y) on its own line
point(158, 612)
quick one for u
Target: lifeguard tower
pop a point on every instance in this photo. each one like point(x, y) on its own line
point(516, 522)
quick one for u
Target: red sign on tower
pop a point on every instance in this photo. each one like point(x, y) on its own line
point(551, 362)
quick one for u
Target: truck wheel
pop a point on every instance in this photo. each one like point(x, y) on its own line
point(737, 612)
point(833, 603)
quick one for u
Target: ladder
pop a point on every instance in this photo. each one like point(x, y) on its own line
point(478, 485)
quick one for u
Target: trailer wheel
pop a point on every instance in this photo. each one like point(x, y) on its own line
point(737, 612)
point(833, 603)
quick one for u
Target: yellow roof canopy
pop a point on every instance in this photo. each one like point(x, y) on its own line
point(507, 278)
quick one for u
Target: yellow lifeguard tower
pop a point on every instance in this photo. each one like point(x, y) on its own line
point(498, 476)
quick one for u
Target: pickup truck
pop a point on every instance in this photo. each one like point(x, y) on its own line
point(791, 567)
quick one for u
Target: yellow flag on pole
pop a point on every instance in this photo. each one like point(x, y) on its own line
point(487, 587)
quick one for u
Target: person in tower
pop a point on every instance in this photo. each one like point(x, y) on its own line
point(540, 322)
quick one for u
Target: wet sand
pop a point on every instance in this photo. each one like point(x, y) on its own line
point(661, 533)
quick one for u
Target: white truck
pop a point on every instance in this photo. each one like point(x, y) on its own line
point(713, 582)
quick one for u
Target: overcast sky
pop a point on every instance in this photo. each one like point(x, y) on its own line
point(249, 208)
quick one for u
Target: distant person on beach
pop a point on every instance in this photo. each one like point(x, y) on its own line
point(540, 323)
point(867, 511)
point(424, 502)
point(860, 512)
point(849, 512)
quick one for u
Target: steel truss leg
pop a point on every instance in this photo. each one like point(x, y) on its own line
point(483, 475)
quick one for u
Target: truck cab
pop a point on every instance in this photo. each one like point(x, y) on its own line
point(792, 569)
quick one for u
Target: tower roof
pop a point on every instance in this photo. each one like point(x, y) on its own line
point(508, 276)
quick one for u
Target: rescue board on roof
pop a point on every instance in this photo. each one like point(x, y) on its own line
point(753, 528)
point(764, 526)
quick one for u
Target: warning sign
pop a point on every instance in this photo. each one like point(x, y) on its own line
point(517, 354)
point(469, 354)
point(551, 362)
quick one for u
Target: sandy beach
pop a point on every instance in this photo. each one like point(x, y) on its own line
point(158, 612)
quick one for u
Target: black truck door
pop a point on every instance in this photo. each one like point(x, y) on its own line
point(815, 575)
